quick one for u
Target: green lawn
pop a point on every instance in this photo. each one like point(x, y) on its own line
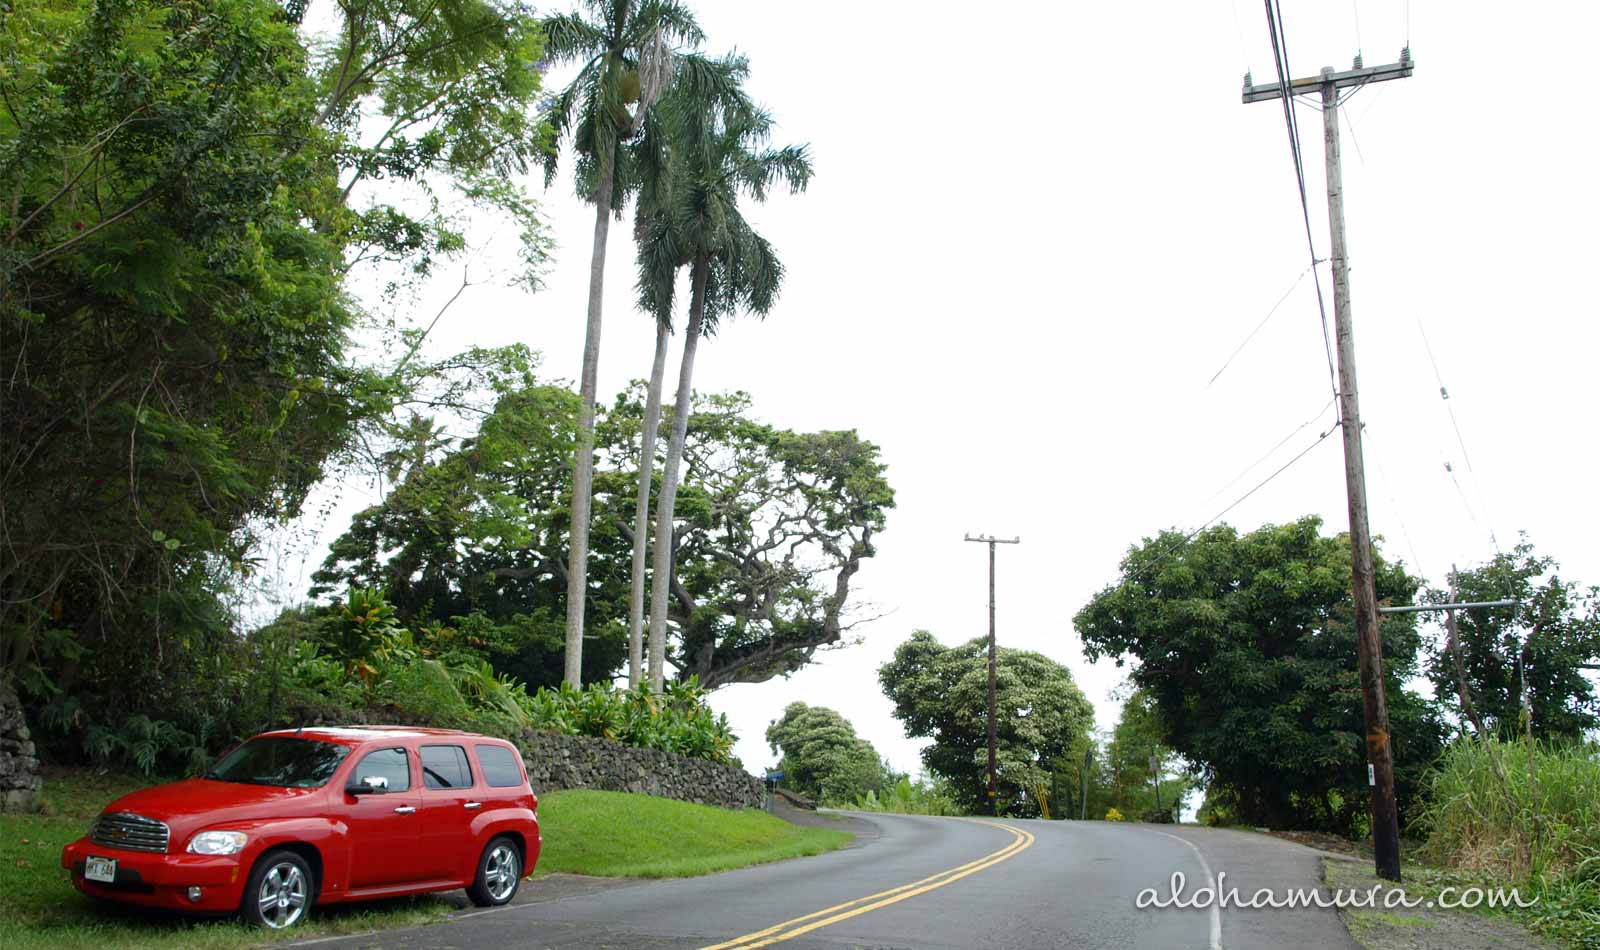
point(611, 834)
point(601, 833)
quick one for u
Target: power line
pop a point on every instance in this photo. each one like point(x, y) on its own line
point(1461, 442)
point(1280, 60)
point(1252, 335)
point(1388, 489)
point(1239, 501)
point(1270, 452)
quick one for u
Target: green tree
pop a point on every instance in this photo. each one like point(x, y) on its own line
point(473, 532)
point(424, 94)
point(823, 757)
point(719, 155)
point(627, 56)
point(170, 252)
point(941, 693)
point(1128, 779)
point(651, 162)
point(1540, 645)
point(1247, 648)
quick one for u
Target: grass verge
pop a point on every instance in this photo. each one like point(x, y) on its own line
point(610, 834)
point(600, 833)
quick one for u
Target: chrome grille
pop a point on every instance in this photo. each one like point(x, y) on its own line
point(120, 829)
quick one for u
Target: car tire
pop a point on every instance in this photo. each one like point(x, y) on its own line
point(278, 892)
point(499, 873)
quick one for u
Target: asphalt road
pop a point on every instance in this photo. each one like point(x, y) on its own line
point(925, 883)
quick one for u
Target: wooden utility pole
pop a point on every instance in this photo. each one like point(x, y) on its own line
point(991, 541)
point(1380, 752)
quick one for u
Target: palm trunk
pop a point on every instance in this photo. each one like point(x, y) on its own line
point(641, 510)
point(583, 465)
point(661, 576)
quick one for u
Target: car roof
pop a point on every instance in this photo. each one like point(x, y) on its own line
point(356, 735)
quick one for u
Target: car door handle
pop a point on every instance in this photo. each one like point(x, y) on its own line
point(469, 806)
point(404, 810)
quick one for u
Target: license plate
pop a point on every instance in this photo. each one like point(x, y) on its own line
point(103, 870)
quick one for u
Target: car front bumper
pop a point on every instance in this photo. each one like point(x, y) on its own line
point(161, 880)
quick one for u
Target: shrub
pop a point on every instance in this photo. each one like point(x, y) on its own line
point(677, 721)
point(1113, 815)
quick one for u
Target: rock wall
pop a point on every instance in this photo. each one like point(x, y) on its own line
point(557, 761)
point(19, 768)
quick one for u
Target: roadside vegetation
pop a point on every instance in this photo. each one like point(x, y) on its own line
point(1504, 812)
point(608, 834)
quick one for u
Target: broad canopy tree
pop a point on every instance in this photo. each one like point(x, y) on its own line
point(775, 526)
point(941, 693)
point(1539, 646)
point(1247, 648)
point(823, 757)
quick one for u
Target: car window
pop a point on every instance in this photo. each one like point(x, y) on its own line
point(280, 760)
point(445, 766)
point(499, 764)
point(391, 764)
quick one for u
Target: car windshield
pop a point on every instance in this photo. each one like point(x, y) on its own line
point(280, 760)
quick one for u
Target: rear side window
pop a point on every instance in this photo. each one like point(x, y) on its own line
point(392, 764)
point(499, 764)
point(445, 766)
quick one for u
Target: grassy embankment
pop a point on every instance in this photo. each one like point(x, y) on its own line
point(606, 834)
point(1493, 820)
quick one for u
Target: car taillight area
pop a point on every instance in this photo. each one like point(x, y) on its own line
point(130, 832)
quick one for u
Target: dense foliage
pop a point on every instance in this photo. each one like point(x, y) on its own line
point(823, 757)
point(353, 662)
point(1535, 650)
point(1246, 646)
point(941, 693)
point(474, 533)
point(172, 323)
point(178, 225)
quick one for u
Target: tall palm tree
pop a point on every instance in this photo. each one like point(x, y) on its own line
point(710, 85)
point(641, 509)
point(717, 155)
point(625, 47)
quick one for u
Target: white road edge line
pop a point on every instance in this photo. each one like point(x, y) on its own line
point(1216, 914)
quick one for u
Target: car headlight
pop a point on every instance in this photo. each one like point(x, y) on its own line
point(218, 842)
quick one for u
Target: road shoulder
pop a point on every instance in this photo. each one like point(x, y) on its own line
point(1421, 927)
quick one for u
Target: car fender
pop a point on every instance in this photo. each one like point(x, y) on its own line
point(519, 820)
point(269, 833)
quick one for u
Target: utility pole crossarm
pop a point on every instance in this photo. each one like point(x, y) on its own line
point(1359, 76)
point(1424, 608)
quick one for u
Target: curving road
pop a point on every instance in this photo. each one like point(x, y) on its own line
point(920, 882)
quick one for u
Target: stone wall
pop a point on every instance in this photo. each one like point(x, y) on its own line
point(557, 761)
point(19, 768)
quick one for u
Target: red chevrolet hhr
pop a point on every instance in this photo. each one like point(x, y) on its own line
point(302, 816)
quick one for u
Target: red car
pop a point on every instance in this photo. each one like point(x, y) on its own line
point(303, 816)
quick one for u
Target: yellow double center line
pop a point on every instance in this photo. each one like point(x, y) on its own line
point(790, 929)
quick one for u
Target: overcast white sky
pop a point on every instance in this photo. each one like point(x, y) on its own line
point(1038, 230)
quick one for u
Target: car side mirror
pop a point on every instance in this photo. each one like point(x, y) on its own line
point(369, 785)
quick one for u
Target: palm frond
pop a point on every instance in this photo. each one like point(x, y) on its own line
point(675, 21)
point(568, 38)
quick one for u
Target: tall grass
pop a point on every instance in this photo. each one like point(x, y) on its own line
point(1515, 822)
